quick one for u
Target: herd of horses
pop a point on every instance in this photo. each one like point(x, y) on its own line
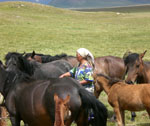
point(34, 93)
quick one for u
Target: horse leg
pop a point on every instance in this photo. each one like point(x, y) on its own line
point(97, 90)
point(148, 111)
point(82, 119)
point(3, 114)
point(123, 117)
point(113, 118)
point(68, 122)
point(133, 115)
point(118, 116)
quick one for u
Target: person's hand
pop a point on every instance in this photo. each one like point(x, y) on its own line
point(61, 76)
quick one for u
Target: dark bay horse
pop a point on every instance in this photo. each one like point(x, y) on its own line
point(137, 70)
point(122, 96)
point(32, 100)
point(38, 70)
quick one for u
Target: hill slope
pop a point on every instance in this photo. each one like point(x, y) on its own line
point(45, 29)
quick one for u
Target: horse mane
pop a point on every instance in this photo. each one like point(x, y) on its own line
point(26, 65)
point(112, 81)
point(30, 54)
point(49, 58)
point(12, 78)
point(10, 54)
point(131, 58)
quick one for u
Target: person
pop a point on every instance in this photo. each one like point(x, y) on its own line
point(83, 72)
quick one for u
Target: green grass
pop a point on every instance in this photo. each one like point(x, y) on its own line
point(25, 27)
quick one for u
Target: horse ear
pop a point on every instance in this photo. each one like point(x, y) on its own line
point(33, 54)
point(23, 53)
point(1, 63)
point(126, 54)
point(55, 97)
point(67, 99)
point(142, 54)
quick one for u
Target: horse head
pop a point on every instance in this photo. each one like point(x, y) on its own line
point(13, 64)
point(134, 64)
point(61, 109)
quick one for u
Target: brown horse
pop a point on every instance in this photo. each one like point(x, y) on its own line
point(110, 66)
point(61, 110)
point(137, 69)
point(122, 96)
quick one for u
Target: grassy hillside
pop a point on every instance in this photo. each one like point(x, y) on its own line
point(27, 27)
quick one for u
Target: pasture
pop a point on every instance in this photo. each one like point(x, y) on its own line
point(25, 27)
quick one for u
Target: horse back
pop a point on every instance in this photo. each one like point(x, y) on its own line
point(111, 66)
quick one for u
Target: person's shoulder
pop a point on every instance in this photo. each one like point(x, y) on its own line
point(87, 65)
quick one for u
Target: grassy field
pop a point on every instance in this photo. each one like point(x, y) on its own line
point(25, 27)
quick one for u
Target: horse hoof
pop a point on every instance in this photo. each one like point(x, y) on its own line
point(132, 119)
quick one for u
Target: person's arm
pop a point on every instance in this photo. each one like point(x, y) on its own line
point(65, 75)
point(83, 82)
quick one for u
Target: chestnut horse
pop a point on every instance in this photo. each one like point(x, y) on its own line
point(137, 69)
point(122, 96)
point(61, 110)
point(32, 100)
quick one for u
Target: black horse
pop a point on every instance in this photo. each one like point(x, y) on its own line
point(38, 70)
point(32, 100)
point(42, 58)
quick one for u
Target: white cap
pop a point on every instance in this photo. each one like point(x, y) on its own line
point(85, 53)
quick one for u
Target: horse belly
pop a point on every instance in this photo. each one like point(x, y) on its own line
point(133, 103)
point(40, 121)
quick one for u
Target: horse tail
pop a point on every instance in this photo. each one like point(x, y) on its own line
point(89, 102)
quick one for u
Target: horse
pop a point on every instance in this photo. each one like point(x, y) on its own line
point(137, 69)
point(32, 100)
point(38, 70)
point(122, 96)
point(111, 66)
point(61, 110)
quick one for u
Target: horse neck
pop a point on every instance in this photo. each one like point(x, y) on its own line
point(3, 78)
point(144, 77)
point(105, 84)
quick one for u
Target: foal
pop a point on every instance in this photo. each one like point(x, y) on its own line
point(122, 96)
point(61, 110)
